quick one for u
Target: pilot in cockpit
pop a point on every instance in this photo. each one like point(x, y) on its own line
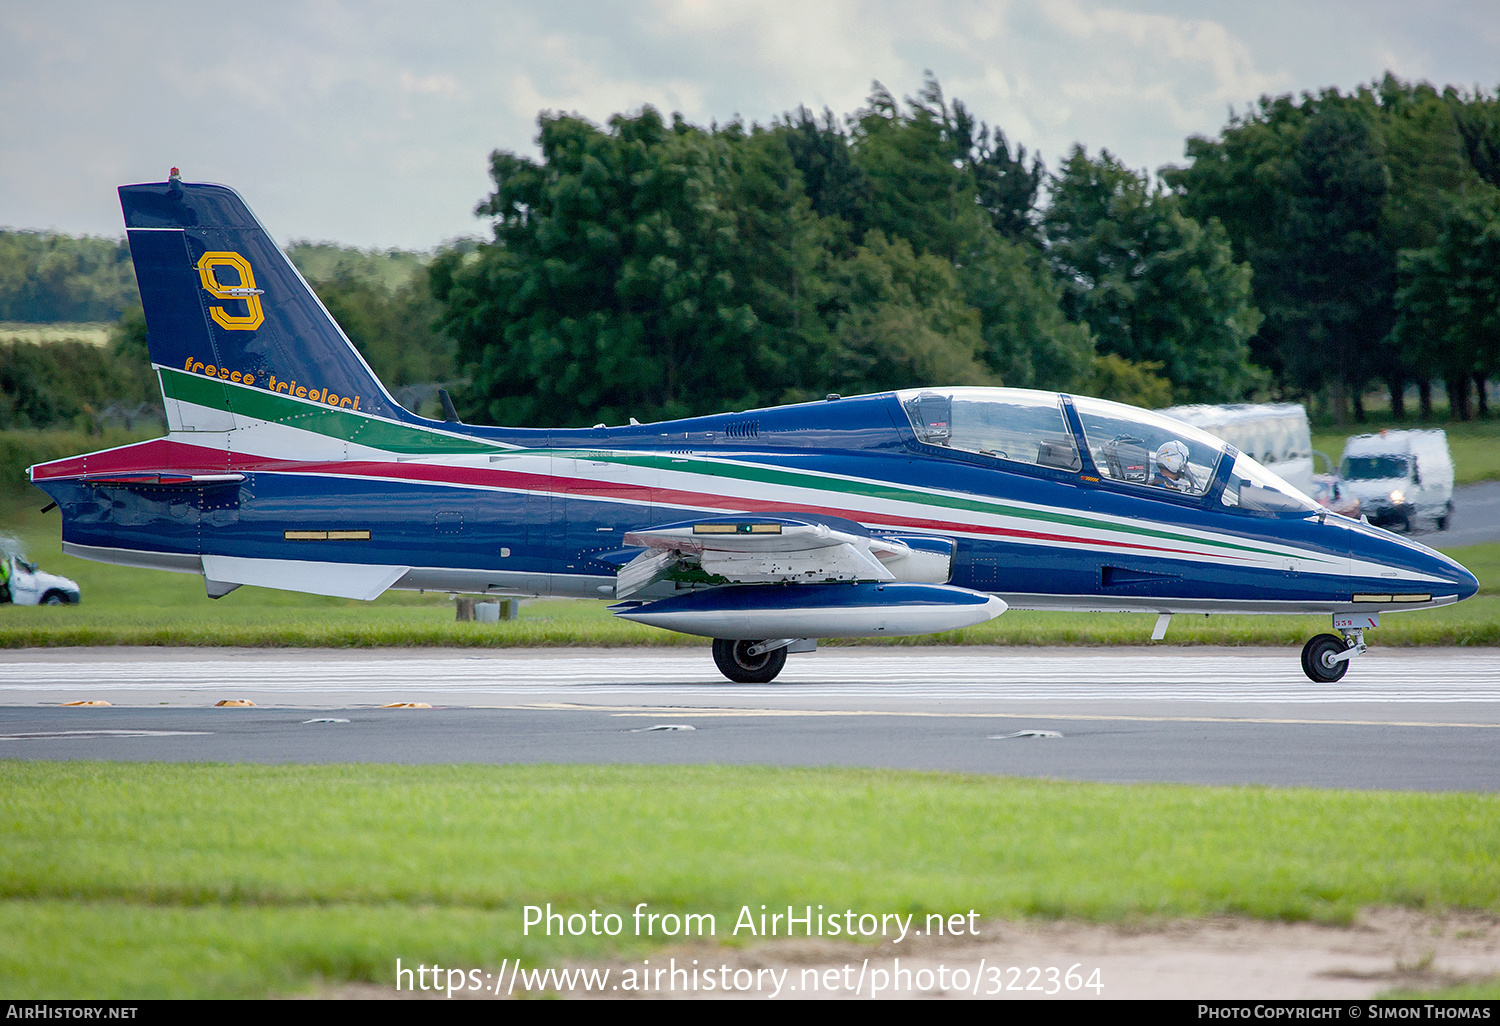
point(1169, 467)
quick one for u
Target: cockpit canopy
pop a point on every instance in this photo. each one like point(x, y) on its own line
point(1006, 423)
point(1126, 445)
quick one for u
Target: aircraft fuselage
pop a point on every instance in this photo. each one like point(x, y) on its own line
point(535, 512)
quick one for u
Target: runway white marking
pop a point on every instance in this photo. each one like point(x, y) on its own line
point(48, 735)
point(924, 676)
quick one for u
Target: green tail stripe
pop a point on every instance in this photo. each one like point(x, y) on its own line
point(324, 420)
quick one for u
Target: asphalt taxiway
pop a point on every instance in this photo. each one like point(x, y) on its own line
point(1425, 719)
point(1476, 518)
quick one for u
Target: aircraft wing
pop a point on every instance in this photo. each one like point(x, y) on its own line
point(780, 549)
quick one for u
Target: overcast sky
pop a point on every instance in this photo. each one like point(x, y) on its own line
point(370, 123)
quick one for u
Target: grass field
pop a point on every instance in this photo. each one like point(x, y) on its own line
point(141, 880)
point(95, 333)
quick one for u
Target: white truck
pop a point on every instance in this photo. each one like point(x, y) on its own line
point(23, 584)
point(1401, 477)
point(1277, 435)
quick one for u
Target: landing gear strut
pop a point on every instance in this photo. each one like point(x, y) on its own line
point(1325, 658)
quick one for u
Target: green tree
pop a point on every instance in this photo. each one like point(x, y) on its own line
point(1027, 342)
point(1237, 179)
point(1320, 194)
point(1008, 190)
point(1153, 285)
point(1423, 152)
point(131, 359)
point(395, 331)
point(658, 270)
point(625, 279)
point(943, 181)
point(1333, 275)
point(917, 161)
point(1139, 384)
point(1477, 120)
point(390, 269)
point(61, 383)
point(933, 174)
point(899, 319)
point(835, 186)
point(1422, 148)
point(46, 277)
point(1448, 303)
point(383, 300)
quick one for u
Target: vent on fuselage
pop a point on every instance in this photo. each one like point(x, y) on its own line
point(742, 429)
point(1114, 576)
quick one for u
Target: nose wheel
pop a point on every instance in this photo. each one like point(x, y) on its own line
point(1325, 657)
point(1318, 658)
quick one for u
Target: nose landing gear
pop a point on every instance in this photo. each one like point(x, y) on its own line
point(1325, 657)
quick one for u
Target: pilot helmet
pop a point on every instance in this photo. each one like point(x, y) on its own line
point(1172, 457)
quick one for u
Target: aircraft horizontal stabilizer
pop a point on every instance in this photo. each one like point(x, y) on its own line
point(866, 610)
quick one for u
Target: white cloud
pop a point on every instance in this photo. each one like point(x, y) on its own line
point(776, 54)
point(370, 122)
point(430, 85)
point(562, 80)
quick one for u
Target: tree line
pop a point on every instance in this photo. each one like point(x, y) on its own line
point(1371, 222)
point(652, 268)
point(46, 278)
point(380, 298)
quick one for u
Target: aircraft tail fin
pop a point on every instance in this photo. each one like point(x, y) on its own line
point(234, 330)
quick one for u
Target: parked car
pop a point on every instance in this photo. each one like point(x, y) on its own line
point(24, 585)
point(1401, 477)
point(1333, 493)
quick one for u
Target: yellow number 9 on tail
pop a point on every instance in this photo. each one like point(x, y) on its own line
point(243, 291)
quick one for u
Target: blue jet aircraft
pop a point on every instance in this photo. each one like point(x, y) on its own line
point(288, 465)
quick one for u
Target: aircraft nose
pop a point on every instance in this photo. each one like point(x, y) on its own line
point(1450, 569)
point(1382, 558)
point(1468, 584)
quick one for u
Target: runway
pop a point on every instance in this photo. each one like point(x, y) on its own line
point(1476, 518)
point(1403, 718)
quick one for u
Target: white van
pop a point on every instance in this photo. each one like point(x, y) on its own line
point(29, 586)
point(1401, 477)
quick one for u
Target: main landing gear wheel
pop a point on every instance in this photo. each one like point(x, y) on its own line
point(1316, 653)
point(736, 662)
